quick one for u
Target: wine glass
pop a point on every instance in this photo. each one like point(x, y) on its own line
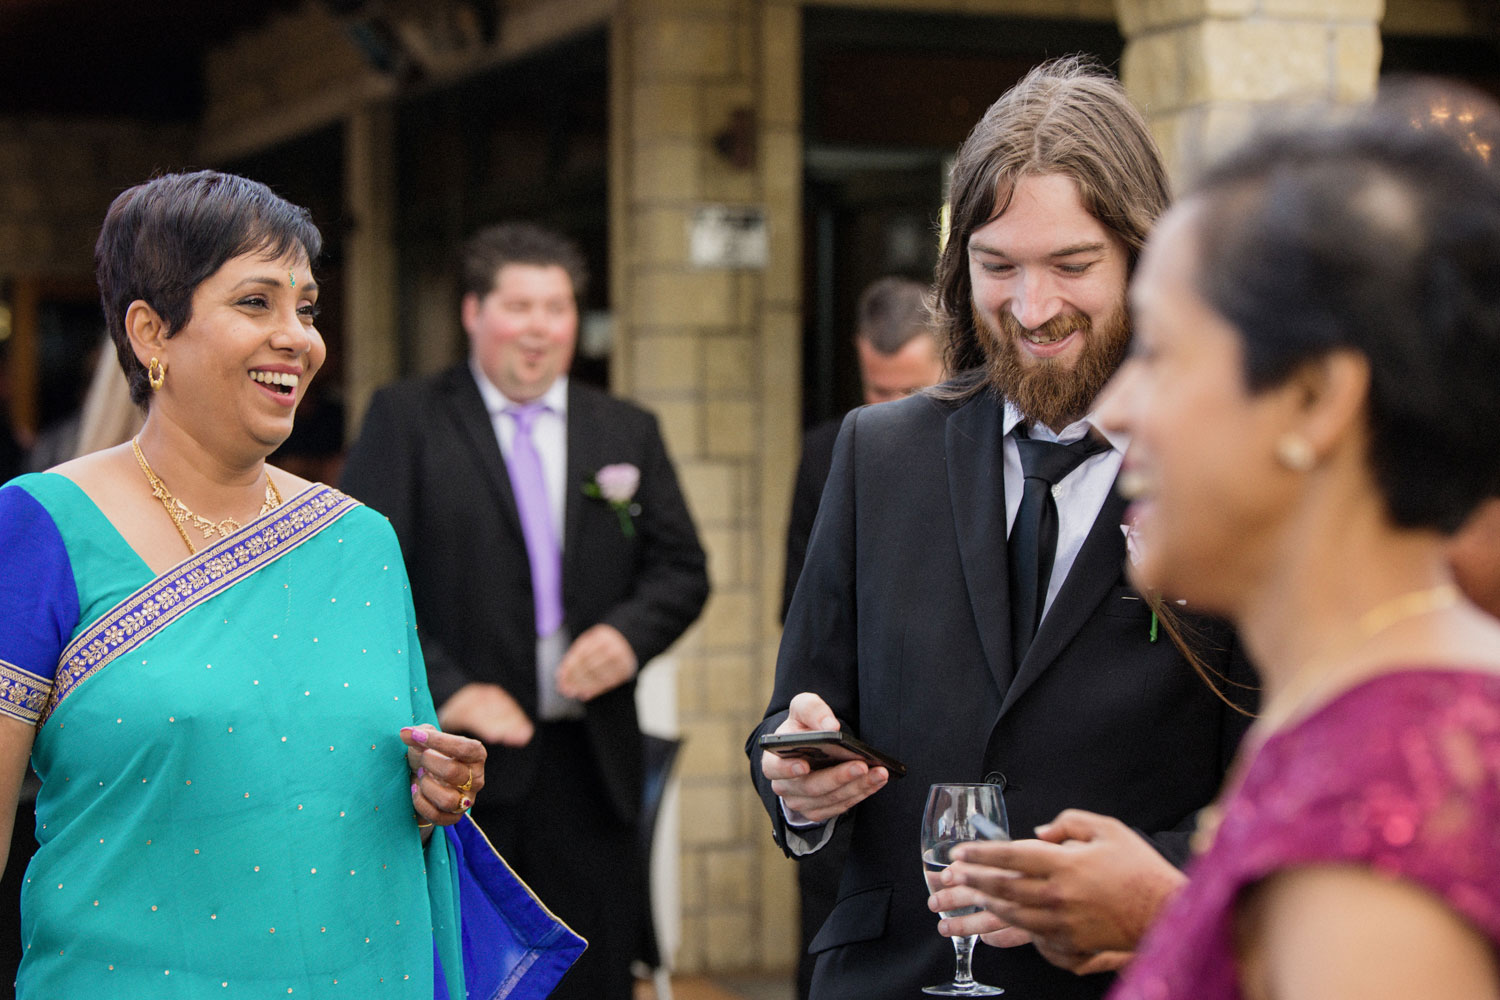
point(948, 821)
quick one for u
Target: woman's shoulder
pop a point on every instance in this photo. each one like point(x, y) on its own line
point(1369, 732)
point(350, 510)
point(48, 491)
point(1400, 774)
point(1386, 806)
point(298, 492)
point(1369, 771)
point(1430, 699)
point(87, 478)
point(31, 500)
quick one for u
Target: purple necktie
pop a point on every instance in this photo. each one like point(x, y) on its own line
point(530, 488)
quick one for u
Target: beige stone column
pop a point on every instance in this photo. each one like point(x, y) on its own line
point(1203, 69)
point(369, 293)
point(714, 351)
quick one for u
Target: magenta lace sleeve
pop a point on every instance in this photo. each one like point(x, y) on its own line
point(1401, 775)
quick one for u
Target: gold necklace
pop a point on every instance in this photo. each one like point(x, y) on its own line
point(178, 511)
point(1309, 682)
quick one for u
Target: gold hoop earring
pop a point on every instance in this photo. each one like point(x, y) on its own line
point(1295, 453)
point(156, 374)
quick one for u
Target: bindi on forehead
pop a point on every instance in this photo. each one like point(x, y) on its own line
point(275, 281)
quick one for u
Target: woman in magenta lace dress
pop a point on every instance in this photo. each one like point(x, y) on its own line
point(1313, 412)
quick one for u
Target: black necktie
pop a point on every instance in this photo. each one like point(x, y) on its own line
point(1033, 538)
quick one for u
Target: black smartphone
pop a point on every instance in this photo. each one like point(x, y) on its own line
point(826, 747)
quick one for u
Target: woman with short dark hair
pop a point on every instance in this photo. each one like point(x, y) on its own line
point(213, 666)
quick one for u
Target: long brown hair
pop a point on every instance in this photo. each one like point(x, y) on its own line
point(1069, 117)
point(1187, 640)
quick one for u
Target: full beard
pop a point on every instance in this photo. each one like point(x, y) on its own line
point(1045, 390)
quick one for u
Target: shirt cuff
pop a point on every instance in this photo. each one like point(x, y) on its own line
point(804, 836)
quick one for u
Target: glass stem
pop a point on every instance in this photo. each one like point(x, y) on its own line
point(963, 953)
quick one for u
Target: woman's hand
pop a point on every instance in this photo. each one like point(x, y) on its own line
point(447, 772)
point(1084, 890)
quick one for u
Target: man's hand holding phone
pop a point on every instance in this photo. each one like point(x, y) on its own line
point(830, 791)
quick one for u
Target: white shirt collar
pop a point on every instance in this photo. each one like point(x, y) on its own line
point(1118, 440)
point(496, 402)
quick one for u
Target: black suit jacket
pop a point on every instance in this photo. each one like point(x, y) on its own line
point(427, 458)
point(901, 623)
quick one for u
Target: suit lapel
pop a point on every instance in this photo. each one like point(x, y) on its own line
point(974, 437)
point(466, 407)
point(1095, 571)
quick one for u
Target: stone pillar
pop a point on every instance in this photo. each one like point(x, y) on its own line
point(714, 351)
point(1203, 69)
point(369, 293)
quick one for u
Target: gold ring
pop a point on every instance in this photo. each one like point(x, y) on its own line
point(468, 784)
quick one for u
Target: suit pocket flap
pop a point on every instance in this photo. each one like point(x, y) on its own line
point(858, 917)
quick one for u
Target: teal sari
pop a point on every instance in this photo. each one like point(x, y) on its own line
point(225, 807)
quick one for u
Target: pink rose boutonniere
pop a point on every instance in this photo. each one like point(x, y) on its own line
point(616, 486)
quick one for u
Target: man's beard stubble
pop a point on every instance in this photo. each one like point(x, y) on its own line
point(1041, 389)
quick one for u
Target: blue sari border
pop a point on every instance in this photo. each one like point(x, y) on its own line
point(514, 947)
point(192, 582)
point(22, 693)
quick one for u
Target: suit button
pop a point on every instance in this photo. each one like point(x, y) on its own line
point(995, 778)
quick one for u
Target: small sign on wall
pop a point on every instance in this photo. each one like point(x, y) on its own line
point(728, 236)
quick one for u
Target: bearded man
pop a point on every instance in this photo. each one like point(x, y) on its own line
point(964, 605)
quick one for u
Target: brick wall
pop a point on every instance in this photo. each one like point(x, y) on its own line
point(715, 353)
point(1202, 69)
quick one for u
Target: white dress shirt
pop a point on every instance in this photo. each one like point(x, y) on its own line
point(1079, 497)
point(549, 433)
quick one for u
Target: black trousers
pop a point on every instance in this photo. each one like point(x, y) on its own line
point(565, 839)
